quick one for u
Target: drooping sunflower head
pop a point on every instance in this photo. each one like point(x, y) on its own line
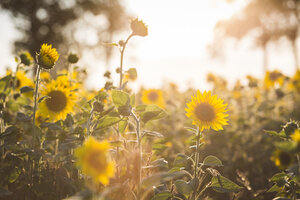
point(139, 28)
point(153, 96)
point(272, 78)
point(60, 100)
point(207, 111)
point(47, 56)
point(73, 58)
point(282, 159)
point(93, 160)
point(26, 58)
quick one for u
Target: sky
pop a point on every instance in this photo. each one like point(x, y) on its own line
point(176, 48)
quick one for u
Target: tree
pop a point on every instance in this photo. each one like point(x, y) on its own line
point(57, 22)
point(267, 21)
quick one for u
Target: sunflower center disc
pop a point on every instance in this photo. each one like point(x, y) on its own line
point(274, 76)
point(205, 112)
point(57, 102)
point(96, 160)
point(285, 158)
point(153, 96)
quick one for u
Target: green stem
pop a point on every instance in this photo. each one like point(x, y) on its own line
point(89, 122)
point(36, 93)
point(121, 60)
point(139, 149)
point(197, 152)
point(196, 159)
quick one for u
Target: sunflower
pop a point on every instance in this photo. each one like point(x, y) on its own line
point(47, 56)
point(45, 76)
point(295, 81)
point(139, 28)
point(93, 160)
point(273, 78)
point(153, 96)
point(282, 159)
point(26, 58)
point(60, 102)
point(21, 80)
point(207, 111)
point(296, 136)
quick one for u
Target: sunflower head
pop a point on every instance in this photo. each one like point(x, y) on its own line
point(153, 96)
point(26, 58)
point(93, 160)
point(60, 101)
point(22, 80)
point(207, 111)
point(139, 28)
point(73, 58)
point(282, 159)
point(47, 56)
point(272, 78)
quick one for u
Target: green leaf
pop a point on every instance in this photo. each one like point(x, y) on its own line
point(122, 125)
point(43, 98)
point(274, 188)
point(165, 195)
point(153, 134)
point(162, 177)
point(182, 160)
point(120, 98)
point(274, 133)
point(26, 89)
point(14, 175)
point(212, 161)
point(141, 108)
point(108, 121)
point(132, 100)
point(152, 112)
point(222, 185)
point(183, 187)
point(161, 162)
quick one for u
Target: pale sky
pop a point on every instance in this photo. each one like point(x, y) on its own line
point(175, 49)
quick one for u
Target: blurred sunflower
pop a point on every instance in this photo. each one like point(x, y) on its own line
point(296, 136)
point(60, 102)
point(153, 96)
point(26, 58)
point(295, 81)
point(45, 76)
point(21, 79)
point(207, 111)
point(47, 56)
point(282, 159)
point(272, 78)
point(93, 160)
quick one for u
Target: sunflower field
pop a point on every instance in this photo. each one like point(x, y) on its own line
point(59, 140)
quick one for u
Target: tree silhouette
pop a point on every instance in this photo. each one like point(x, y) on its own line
point(57, 22)
point(267, 21)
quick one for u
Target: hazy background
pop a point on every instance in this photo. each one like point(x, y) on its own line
point(175, 49)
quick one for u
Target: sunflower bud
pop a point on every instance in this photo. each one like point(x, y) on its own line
point(121, 43)
point(107, 74)
point(139, 28)
point(47, 56)
point(26, 58)
point(290, 127)
point(98, 107)
point(73, 58)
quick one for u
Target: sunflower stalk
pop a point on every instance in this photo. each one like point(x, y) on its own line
point(36, 93)
point(121, 60)
point(138, 135)
point(197, 153)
